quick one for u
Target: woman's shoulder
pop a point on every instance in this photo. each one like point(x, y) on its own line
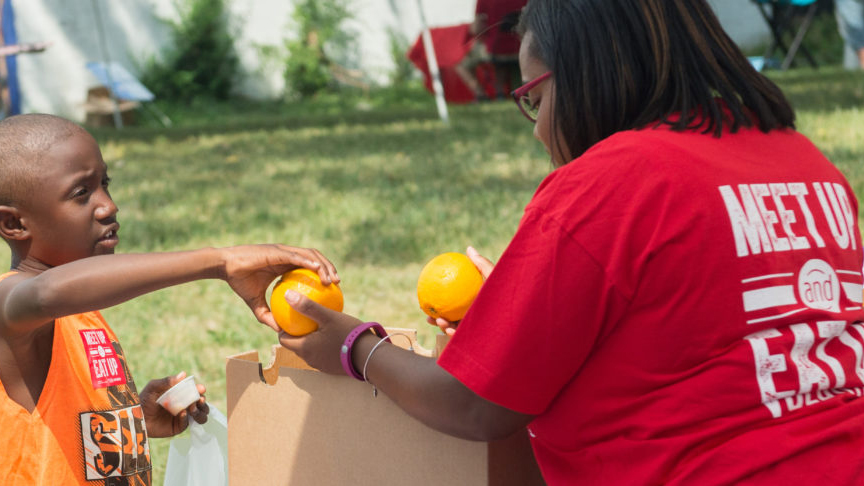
point(659, 163)
point(621, 156)
point(660, 150)
point(657, 141)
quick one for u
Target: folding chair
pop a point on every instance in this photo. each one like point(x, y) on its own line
point(124, 86)
point(781, 16)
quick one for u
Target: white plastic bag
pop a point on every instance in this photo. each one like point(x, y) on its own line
point(201, 457)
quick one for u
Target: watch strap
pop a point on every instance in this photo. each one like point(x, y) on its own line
point(348, 345)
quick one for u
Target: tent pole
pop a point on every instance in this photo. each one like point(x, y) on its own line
point(100, 28)
point(437, 87)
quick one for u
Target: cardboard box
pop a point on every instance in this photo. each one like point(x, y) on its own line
point(291, 425)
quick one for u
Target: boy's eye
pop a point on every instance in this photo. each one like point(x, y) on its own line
point(106, 181)
point(81, 191)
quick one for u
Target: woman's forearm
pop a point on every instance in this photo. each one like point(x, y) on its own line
point(432, 395)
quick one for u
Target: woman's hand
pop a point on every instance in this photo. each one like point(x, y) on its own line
point(320, 349)
point(485, 266)
point(250, 270)
point(415, 383)
point(160, 422)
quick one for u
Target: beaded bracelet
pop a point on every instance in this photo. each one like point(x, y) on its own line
point(345, 352)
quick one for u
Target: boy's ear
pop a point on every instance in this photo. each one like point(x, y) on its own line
point(11, 227)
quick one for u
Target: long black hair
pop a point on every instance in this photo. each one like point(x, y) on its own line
point(625, 64)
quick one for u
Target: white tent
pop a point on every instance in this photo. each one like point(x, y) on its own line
point(57, 80)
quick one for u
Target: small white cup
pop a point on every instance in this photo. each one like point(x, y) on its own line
point(180, 396)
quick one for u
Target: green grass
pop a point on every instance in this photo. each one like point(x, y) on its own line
point(830, 107)
point(378, 184)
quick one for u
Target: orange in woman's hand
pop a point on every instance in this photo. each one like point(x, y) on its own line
point(448, 285)
point(308, 283)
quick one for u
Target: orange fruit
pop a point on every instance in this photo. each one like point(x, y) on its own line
point(447, 286)
point(309, 284)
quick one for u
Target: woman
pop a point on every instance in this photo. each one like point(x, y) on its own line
point(681, 303)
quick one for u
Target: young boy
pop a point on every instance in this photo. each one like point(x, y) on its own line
point(69, 409)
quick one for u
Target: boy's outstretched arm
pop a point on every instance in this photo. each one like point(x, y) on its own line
point(28, 300)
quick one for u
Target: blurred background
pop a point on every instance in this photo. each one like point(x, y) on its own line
point(316, 123)
point(252, 49)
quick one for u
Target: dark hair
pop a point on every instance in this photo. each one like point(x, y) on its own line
point(625, 64)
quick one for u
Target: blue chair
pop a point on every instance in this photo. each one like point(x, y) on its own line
point(124, 86)
point(782, 17)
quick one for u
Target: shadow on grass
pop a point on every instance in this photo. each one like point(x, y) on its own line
point(394, 237)
point(822, 90)
point(424, 184)
point(260, 122)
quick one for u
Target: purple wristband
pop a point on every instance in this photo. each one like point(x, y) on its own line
point(345, 352)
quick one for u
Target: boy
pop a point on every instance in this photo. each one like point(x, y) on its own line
point(69, 409)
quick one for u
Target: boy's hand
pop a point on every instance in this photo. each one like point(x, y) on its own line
point(249, 270)
point(485, 266)
point(160, 422)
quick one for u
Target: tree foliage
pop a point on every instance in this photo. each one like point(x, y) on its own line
point(320, 35)
point(201, 61)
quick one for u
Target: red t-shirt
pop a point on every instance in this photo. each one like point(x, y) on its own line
point(677, 308)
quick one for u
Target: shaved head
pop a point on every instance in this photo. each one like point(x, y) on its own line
point(24, 139)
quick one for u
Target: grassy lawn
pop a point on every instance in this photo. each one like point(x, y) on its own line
point(379, 189)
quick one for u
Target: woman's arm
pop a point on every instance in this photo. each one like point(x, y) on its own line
point(433, 396)
point(415, 383)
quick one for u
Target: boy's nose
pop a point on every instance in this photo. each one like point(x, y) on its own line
point(106, 208)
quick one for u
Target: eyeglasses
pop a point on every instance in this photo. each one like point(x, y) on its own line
point(520, 96)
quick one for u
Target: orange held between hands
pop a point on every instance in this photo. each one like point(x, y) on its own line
point(308, 283)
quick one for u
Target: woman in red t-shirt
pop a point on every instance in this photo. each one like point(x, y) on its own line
point(682, 301)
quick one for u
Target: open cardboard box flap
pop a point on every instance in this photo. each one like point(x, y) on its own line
point(291, 425)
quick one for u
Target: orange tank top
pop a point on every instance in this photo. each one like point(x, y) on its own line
point(88, 426)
